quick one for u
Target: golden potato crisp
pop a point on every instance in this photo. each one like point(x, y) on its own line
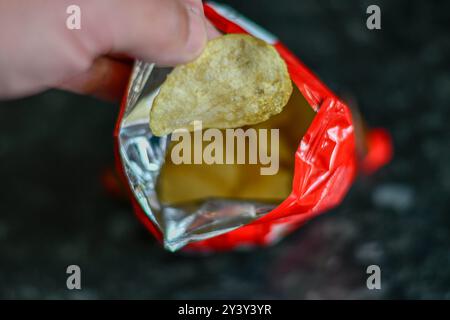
point(238, 80)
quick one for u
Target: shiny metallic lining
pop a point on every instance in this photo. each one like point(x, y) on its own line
point(143, 157)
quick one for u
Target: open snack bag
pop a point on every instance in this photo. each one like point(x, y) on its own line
point(239, 147)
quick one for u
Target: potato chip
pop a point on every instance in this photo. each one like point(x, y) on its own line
point(238, 80)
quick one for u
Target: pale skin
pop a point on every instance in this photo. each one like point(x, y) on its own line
point(38, 51)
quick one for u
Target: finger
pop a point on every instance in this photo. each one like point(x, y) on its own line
point(194, 3)
point(211, 31)
point(121, 57)
point(106, 79)
point(166, 32)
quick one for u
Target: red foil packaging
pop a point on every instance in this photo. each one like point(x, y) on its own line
point(325, 162)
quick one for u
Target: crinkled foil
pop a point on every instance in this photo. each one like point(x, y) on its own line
point(143, 156)
point(320, 159)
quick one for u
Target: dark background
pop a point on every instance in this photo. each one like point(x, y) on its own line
point(55, 212)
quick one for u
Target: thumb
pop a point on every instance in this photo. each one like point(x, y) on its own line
point(166, 32)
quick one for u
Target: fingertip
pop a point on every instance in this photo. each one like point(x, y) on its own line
point(211, 31)
point(168, 32)
point(197, 37)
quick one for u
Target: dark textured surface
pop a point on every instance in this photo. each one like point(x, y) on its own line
point(54, 211)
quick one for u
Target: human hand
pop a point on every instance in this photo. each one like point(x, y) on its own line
point(39, 52)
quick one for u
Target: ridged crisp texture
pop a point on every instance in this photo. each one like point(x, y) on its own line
point(238, 80)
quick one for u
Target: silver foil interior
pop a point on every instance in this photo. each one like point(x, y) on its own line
point(143, 155)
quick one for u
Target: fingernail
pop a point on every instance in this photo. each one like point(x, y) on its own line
point(195, 6)
point(197, 32)
point(211, 31)
point(195, 10)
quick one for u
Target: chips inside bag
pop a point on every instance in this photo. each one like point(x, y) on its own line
point(239, 147)
point(238, 80)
